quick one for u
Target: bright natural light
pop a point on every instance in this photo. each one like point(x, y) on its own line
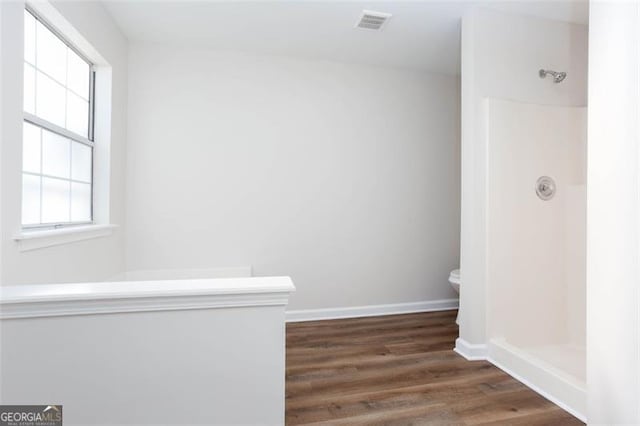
point(57, 141)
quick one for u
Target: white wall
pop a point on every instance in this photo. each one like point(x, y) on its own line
point(87, 260)
point(343, 177)
point(501, 56)
point(172, 368)
point(197, 352)
point(613, 227)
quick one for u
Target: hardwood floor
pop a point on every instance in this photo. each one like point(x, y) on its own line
point(401, 370)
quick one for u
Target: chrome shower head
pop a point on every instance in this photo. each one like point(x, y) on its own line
point(557, 76)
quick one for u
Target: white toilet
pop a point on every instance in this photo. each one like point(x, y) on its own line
point(454, 279)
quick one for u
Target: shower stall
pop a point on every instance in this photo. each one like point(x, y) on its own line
point(524, 188)
point(536, 246)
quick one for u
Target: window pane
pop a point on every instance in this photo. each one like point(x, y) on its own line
point(80, 202)
point(77, 114)
point(80, 162)
point(30, 148)
point(51, 54)
point(57, 171)
point(55, 200)
point(78, 75)
point(56, 155)
point(29, 89)
point(29, 38)
point(50, 101)
point(30, 199)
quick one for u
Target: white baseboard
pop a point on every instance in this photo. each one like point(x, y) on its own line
point(471, 351)
point(371, 310)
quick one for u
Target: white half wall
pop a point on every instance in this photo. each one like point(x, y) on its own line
point(501, 56)
point(89, 260)
point(170, 352)
point(344, 177)
point(613, 214)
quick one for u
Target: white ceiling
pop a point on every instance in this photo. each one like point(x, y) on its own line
point(421, 35)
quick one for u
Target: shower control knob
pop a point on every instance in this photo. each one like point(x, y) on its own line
point(545, 188)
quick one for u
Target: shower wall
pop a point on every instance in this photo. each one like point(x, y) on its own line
point(504, 67)
point(536, 249)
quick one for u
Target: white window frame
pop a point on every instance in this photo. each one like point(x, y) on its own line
point(54, 128)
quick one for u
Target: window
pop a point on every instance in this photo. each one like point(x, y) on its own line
point(57, 145)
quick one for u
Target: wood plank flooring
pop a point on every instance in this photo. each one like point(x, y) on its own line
point(401, 370)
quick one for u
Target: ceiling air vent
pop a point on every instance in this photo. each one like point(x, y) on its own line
point(372, 20)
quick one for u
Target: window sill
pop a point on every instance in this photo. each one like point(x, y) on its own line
point(36, 239)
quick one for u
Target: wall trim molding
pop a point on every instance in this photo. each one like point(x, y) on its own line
point(36, 239)
point(471, 351)
point(371, 310)
point(48, 300)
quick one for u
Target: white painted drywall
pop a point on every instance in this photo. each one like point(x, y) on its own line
point(613, 226)
point(173, 367)
point(501, 56)
point(89, 260)
point(344, 177)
